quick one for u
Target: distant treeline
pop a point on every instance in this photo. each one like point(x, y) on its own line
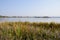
point(3, 16)
point(27, 17)
point(23, 17)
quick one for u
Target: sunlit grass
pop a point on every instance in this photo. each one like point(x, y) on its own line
point(29, 31)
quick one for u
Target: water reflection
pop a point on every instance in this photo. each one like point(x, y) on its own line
point(30, 19)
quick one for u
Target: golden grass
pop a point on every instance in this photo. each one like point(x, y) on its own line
point(29, 31)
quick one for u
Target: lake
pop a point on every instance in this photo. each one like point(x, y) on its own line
point(30, 19)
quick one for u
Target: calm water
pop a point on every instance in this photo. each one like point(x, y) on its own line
point(31, 19)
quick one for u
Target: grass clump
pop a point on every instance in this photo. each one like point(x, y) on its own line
point(29, 31)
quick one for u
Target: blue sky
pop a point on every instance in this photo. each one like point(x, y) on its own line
point(30, 7)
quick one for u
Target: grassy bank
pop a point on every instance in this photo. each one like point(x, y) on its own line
point(29, 31)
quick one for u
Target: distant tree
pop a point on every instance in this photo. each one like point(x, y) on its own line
point(45, 17)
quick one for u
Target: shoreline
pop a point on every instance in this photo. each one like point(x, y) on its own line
point(28, 22)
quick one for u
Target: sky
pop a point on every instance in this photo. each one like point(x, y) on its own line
point(30, 7)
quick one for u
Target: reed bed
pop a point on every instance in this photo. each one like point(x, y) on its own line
point(29, 31)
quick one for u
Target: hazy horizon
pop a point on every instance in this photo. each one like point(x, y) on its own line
point(30, 7)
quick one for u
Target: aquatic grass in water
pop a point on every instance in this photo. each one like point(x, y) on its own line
point(29, 31)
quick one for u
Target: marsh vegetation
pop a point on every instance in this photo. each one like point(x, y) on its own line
point(29, 31)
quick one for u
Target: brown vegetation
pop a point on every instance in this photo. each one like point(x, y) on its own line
point(29, 31)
